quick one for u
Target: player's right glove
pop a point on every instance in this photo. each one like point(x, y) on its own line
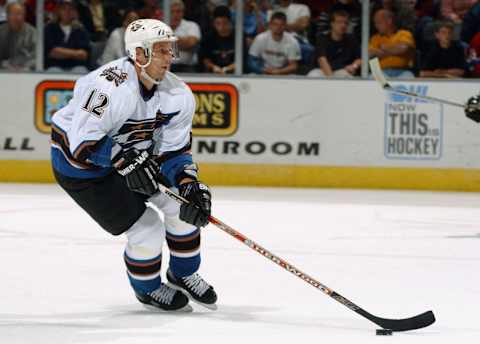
point(473, 109)
point(197, 211)
point(139, 170)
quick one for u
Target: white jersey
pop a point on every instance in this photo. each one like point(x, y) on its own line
point(110, 104)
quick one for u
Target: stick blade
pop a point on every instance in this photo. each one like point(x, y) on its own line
point(407, 324)
point(377, 72)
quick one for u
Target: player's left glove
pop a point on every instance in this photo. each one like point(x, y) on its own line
point(198, 210)
point(140, 171)
point(473, 109)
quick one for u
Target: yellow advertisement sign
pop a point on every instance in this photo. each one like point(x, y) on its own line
point(216, 112)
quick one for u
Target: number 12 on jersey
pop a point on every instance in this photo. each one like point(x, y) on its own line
point(96, 103)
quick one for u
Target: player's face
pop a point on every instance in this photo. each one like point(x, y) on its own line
point(162, 57)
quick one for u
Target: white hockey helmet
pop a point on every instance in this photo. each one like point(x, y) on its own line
point(143, 33)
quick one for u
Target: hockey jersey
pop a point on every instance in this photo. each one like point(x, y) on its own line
point(111, 112)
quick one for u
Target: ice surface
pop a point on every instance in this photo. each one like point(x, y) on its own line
point(396, 254)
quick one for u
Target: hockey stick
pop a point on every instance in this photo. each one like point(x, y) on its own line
point(416, 322)
point(380, 77)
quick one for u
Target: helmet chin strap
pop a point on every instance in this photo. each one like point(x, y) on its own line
point(145, 75)
point(143, 72)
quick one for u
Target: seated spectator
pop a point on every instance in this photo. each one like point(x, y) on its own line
point(455, 10)
point(97, 18)
point(471, 23)
point(298, 23)
point(274, 51)
point(188, 33)
point(66, 41)
point(217, 51)
point(338, 53)
point(403, 10)
point(17, 40)
point(115, 47)
point(3, 10)
point(254, 19)
point(394, 48)
point(446, 59)
point(354, 10)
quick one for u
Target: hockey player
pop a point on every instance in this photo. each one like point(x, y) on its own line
point(127, 126)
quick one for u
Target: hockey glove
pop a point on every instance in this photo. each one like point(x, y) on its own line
point(473, 109)
point(139, 171)
point(198, 210)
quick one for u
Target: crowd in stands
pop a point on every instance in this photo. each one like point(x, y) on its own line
point(411, 38)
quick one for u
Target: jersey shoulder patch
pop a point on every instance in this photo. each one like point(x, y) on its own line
point(114, 74)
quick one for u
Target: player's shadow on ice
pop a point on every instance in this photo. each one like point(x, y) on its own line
point(123, 321)
point(230, 313)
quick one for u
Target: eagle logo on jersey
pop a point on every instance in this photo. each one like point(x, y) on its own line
point(114, 74)
point(164, 118)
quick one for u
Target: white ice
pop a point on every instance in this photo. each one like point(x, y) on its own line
point(396, 254)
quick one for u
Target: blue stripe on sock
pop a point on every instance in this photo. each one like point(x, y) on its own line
point(182, 267)
point(144, 287)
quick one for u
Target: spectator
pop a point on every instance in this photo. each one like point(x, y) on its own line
point(446, 59)
point(97, 18)
point(338, 53)
point(3, 10)
point(394, 48)
point(66, 41)
point(254, 19)
point(403, 10)
point(115, 47)
point(274, 51)
point(354, 10)
point(298, 23)
point(188, 33)
point(217, 52)
point(471, 23)
point(17, 40)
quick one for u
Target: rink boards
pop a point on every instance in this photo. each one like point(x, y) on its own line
point(282, 132)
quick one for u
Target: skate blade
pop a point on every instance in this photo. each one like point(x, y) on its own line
point(212, 307)
point(184, 309)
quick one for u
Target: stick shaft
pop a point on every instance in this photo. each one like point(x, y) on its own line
point(267, 254)
point(433, 99)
